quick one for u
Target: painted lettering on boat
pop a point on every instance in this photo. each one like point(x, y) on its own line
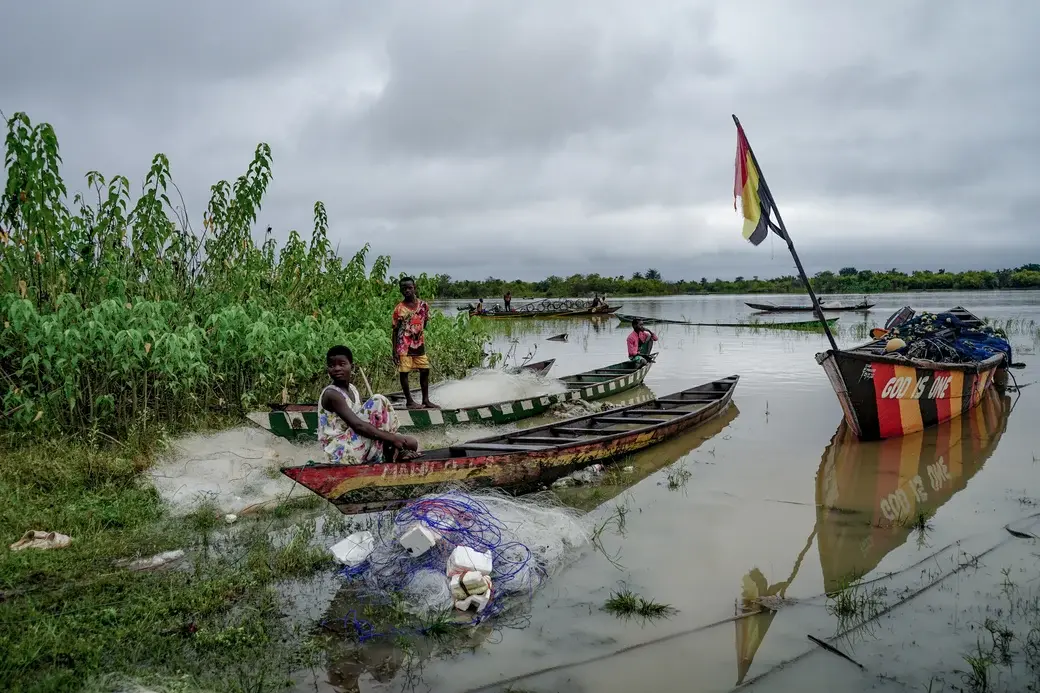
point(868, 372)
point(939, 387)
point(899, 386)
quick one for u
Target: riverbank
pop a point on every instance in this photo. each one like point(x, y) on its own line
point(848, 280)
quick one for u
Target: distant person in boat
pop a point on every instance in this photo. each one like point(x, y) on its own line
point(507, 299)
point(408, 342)
point(640, 343)
point(480, 307)
point(354, 432)
point(596, 301)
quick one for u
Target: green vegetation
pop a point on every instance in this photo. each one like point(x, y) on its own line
point(625, 603)
point(119, 324)
point(649, 283)
point(115, 313)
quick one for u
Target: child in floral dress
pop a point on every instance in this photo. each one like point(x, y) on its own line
point(354, 432)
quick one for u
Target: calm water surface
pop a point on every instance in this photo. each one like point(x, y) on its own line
point(780, 503)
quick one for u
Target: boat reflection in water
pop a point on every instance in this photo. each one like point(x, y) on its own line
point(350, 667)
point(869, 498)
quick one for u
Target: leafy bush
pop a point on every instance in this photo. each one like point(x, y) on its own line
point(115, 314)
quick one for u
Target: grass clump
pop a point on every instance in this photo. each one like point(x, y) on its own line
point(624, 603)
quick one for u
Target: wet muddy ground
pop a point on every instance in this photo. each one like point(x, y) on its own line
point(895, 553)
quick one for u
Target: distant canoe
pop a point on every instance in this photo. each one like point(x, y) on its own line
point(795, 325)
point(773, 308)
point(580, 313)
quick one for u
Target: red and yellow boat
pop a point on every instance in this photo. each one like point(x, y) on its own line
point(888, 395)
point(519, 459)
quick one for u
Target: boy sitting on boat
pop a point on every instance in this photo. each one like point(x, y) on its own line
point(640, 343)
point(354, 432)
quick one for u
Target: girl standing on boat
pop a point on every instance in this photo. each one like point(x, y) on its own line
point(354, 432)
point(640, 343)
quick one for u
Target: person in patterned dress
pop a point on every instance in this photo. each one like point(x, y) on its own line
point(409, 342)
point(354, 432)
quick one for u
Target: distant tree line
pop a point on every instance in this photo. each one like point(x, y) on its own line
point(847, 280)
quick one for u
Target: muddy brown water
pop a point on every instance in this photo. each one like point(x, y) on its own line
point(780, 505)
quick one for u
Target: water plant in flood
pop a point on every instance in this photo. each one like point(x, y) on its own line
point(114, 310)
point(624, 603)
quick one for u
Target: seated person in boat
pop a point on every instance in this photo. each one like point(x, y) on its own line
point(596, 301)
point(408, 342)
point(479, 310)
point(640, 343)
point(354, 432)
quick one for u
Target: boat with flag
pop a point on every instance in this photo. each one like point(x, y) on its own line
point(927, 370)
point(891, 386)
point(300, 421)
point(518, 460)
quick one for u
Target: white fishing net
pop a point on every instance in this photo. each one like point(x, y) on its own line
point(530, 538)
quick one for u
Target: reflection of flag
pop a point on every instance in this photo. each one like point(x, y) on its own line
point(754, 194)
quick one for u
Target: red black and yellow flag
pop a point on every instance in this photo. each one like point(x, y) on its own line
point(754, 195)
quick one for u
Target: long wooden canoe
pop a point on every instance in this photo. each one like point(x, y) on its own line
point(300, 421)
point(773, 308)
point(890, 395)
point(793, 325)
point(579, 313)
point(519, 459)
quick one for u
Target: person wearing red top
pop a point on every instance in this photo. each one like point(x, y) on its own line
point(640, 343)
point(408, 342)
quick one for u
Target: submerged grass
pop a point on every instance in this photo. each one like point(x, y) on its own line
point(624, 603)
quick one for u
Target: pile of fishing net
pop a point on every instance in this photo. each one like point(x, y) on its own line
point(946, 338)
point(527, 539)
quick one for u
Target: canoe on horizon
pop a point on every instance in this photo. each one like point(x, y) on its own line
point(773, 308)
point(522, 459)
point(578, 313)
point(300, 421)
point(890, 395)
point(792, 325)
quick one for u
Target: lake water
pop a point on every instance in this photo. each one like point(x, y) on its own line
point(775, 503)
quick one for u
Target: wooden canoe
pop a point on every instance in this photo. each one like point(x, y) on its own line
point(519, 459)
point(795, 325)
point(300, 421)
point(579, 313)
point(773, 308)
point(886, 396)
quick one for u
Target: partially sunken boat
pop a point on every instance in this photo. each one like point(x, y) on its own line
point(300, 421)
point(522, 459)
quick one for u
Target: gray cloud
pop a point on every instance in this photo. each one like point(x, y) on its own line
point(490, 137)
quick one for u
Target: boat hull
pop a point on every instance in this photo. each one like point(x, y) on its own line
point(769, 308)
point(887, 397)
point(368, 488)
point(609, 310)
point(300, 421)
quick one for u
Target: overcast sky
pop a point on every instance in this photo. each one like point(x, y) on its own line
point(521, 139)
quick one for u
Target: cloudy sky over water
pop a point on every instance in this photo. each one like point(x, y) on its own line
point(493, 137)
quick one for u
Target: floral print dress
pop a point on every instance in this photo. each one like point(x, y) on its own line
point(341, 444)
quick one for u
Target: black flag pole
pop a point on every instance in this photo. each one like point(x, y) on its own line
point(779, 226)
